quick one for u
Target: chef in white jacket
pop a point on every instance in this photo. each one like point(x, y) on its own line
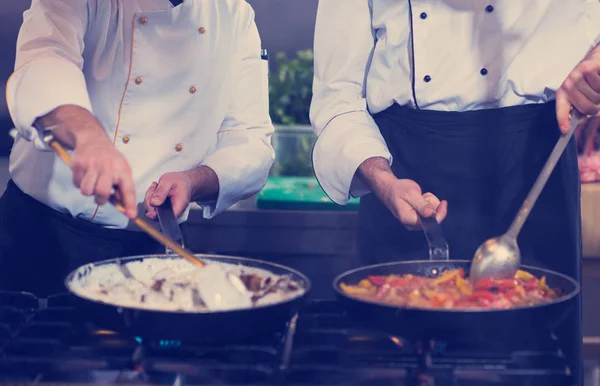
point(450, 108)
point(155, 98)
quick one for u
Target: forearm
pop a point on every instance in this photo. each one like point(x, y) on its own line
point(375, 172)
point(204, 183)
point(72, 125)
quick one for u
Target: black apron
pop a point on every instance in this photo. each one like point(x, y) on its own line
point(484, 163)
point(39, 246)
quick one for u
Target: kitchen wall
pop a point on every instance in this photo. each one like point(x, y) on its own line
point(284, 25)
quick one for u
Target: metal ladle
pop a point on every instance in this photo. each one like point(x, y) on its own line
point(500, 257)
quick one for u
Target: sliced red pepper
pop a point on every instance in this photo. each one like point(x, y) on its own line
point(485, 283)
point(531, 284)
point(482, 295)
point(518, 292)
point(463, 304)
point(399, 282)
point(377, 280)
point(440, 299)
point(484, 302)
point(506, 283)
point(383, 291)
point(501, 284)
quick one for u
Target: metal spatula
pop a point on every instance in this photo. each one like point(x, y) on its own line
point(220, 291)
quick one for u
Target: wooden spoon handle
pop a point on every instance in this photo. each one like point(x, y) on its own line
point(144, 225)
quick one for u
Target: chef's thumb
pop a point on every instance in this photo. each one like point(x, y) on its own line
point(160, 194)
point(420, 204)
point(563, 110)
point(179, 204)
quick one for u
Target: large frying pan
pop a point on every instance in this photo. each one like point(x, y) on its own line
point(189, 326)
point(448, 324)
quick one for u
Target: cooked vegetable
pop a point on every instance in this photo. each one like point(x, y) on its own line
point(452, 290)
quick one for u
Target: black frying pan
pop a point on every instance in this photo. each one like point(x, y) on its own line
point(190, 326)
point(423, 324)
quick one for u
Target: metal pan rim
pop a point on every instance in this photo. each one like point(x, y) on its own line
point(306, 288)
point(339, 292)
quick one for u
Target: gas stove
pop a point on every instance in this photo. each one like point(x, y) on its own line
point(47, 342)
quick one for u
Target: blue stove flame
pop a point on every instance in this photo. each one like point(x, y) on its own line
point(440, 346)
point(161, 343)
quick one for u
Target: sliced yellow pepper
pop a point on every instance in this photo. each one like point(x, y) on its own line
point(391, 278)
point(463, 286)
point(520, 290)
point(364, 283)
point(523, 275)
point(444, 277)
point(351, 290)
point(542, 286)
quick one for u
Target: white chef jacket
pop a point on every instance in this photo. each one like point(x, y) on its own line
point(461, 55)
point(174, 87)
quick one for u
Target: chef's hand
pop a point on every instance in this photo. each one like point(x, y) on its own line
point(199, 184)
point(177, 186)
point(402, 197)
point(581, 90)
point(98, 167)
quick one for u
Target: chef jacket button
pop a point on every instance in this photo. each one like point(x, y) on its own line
point(202, 30)
point(143, 19)
point(138, 80)
point(178, 148)
point(489, 8)
point(423, 15)
point(427, 78)
point(126, 139)
point(193, 90)
point(483, 71)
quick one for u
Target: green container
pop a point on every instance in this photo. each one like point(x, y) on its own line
point(298, 193)
point(293, 151)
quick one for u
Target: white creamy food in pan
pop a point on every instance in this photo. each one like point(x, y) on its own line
point(169, 285)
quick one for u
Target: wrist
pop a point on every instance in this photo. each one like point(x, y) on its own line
point(72, 126)
point(376, 174)
point(204, 184)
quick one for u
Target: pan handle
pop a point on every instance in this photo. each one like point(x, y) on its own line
point(438, 246)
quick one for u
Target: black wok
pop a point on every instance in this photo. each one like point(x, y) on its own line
point(154, 325)
point(449, 324)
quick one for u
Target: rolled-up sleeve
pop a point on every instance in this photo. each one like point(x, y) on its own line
point(48, 67)
point(243, 154)
point(347, 134)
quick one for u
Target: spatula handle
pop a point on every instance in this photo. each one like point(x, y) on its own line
point(144, 225)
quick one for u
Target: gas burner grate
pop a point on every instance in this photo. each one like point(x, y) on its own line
point(47, 343)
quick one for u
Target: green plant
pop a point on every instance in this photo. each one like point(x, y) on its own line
point(290, 88)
